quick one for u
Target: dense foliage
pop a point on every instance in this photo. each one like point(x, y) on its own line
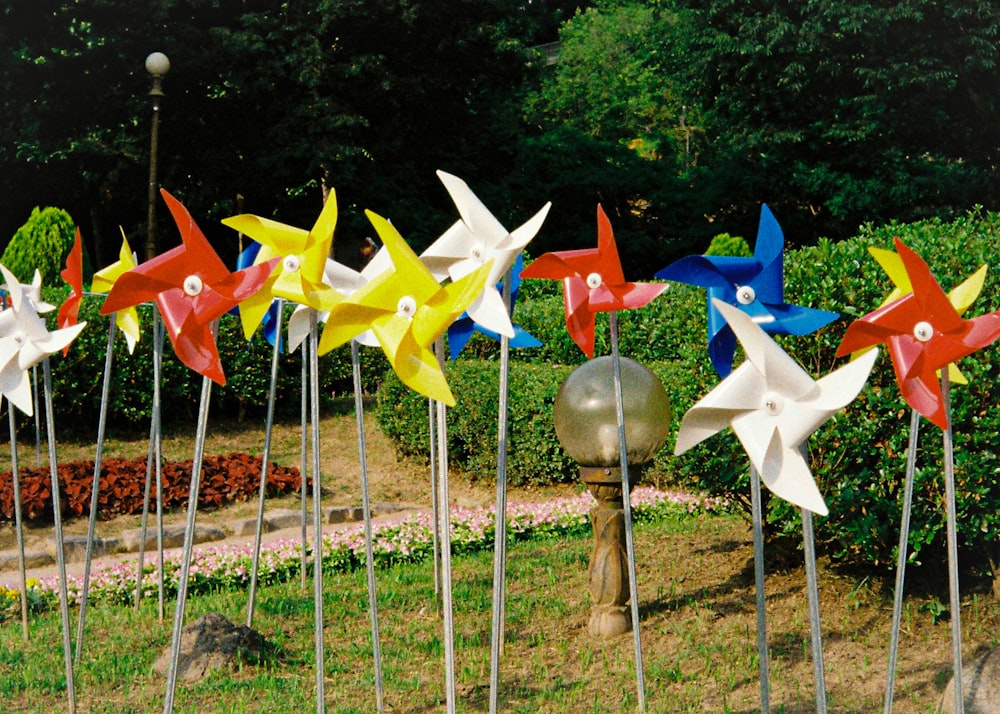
point(675, 115)
point(858, 457)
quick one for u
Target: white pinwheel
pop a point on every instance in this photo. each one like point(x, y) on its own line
point(472, 241)
point(773, 406)
point(25, 342)
point(32, 291)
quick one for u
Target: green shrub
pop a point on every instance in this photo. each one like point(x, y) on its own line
point(725, 244)
point(43, 243)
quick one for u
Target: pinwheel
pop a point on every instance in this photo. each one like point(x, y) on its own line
point(73, 275)
point(270, 322)
point(472, 241)
point(925, 334)
point(33, 293)
point(773, 406)
point(126, 320)
point(754, 285)
point(407, 310)
point(24, 342)
point(301, 257)
point(593, 281)
point(192, 288)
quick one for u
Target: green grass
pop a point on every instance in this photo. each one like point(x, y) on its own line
point(697, 627)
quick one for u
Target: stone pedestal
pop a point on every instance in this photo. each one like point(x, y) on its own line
point(608, 571)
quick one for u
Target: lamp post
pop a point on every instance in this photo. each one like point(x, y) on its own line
point(157, 65)
point(587, 426)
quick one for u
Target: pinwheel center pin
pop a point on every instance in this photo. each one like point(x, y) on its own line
point(406, 307)
point(745, 295)
point(594, 280)
point(193, 285)
point(291, 263)
point(923, 331)
point(773, 403)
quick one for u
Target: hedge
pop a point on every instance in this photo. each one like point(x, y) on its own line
point(858, 457)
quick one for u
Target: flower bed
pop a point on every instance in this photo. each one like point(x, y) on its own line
point(406, 541)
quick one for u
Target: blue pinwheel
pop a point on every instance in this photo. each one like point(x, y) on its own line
point(269, 325)
point(754, 285)
point(461, 330)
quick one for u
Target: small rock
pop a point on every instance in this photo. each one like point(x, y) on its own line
point(213, 642)
point(980, 686)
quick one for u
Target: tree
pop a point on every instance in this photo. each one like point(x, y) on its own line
point(837, 114)
point(265, 100)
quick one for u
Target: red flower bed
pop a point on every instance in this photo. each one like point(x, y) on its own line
point(224, 479)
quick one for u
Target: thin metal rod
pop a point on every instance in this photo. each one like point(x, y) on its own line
point(153, 467)
point(901, 556)
point(952, 528)
point(444, 507)
point(192, 512)
point(435, 531)
point(444, 526)
point(50, 432)
point(264, 466)
point(815, 626)
point(147, 489)
point(303, 459)
point(18, 519)
point(359, 412)
point(758, 573)
point(640, 677)
point(102, 421)
point(500, 512)
point(317, 513)
point(37, 414)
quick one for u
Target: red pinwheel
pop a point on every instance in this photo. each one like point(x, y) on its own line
point(593, 282)
point(73, 275)
point(192, 287)
point(924, 333)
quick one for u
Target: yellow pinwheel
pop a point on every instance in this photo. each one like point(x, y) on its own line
point(407, 310)
point(961, 296)
point(298, 277)
point(127, 320)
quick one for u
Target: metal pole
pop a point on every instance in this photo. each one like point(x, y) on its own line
point(359, 411)
point(95, 488)
point(640, 678)
point(155, 94)
point(18, 520)
point(952, 529)
point(815, 628)
point(60, 555)
point(264, 466)
point(38, 414)
point(500, 513)
point(303, 454)
point(435, 531)
point(758, 572)
point(901, 555)
point(444, 507)
point(192, 512)
point(317, 513)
